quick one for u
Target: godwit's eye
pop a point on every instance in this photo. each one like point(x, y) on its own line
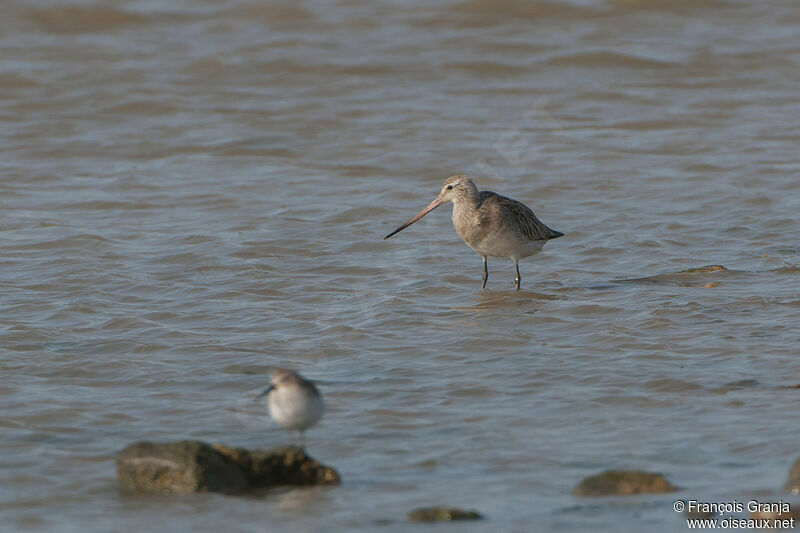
point(449, 187)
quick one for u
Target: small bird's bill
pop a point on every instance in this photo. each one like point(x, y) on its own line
point(433, 205)
point(266, 392)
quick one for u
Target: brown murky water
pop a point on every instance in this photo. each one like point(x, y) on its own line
point(195, 192)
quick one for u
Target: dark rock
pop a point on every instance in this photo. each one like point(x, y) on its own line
point(192, 466)
point(442, 514)
point(180, 468)
point(793, 481)
point(288, 465)
point(622, 482)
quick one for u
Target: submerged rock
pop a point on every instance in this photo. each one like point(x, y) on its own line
point(703, 269)
point(736, 385)
point(778, 515)
point(191, 466)
point(683, 278)
point(442, 514)
point(622, 482)
point(793, 480)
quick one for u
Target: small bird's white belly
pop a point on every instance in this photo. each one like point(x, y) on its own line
point(293, 408)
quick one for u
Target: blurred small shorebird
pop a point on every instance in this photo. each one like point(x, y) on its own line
point(293, 401)
point(490, 224)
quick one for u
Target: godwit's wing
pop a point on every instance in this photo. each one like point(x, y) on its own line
point(493, 206)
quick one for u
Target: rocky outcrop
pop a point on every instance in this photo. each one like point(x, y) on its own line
point(442, 514)
point(191, 466)
point(622, 483)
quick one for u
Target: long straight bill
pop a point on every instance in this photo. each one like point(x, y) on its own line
point(433, 205)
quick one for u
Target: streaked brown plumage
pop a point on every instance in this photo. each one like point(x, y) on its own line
point(490, 224)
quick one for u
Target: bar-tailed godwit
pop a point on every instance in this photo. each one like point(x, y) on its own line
point(293, 401)
point(490, 224)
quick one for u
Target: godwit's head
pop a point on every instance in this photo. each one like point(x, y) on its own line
point(454, 189)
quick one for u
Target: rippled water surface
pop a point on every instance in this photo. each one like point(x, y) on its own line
point(192, 193)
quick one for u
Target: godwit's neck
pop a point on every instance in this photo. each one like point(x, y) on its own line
point(467, 199)
point(466, 203)
point(465, 206)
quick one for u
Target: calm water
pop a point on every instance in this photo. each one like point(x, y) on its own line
point(195, 192)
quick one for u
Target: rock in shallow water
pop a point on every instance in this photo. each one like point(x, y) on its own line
point(793, 480)
point(622, 483)
point(778, 515)
point(191, 466)
point(442, 514)
point(703, 269)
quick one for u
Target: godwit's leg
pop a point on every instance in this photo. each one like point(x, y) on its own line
point(517, 279)
point(485, 273)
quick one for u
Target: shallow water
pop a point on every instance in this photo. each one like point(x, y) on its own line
point(194, 193)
